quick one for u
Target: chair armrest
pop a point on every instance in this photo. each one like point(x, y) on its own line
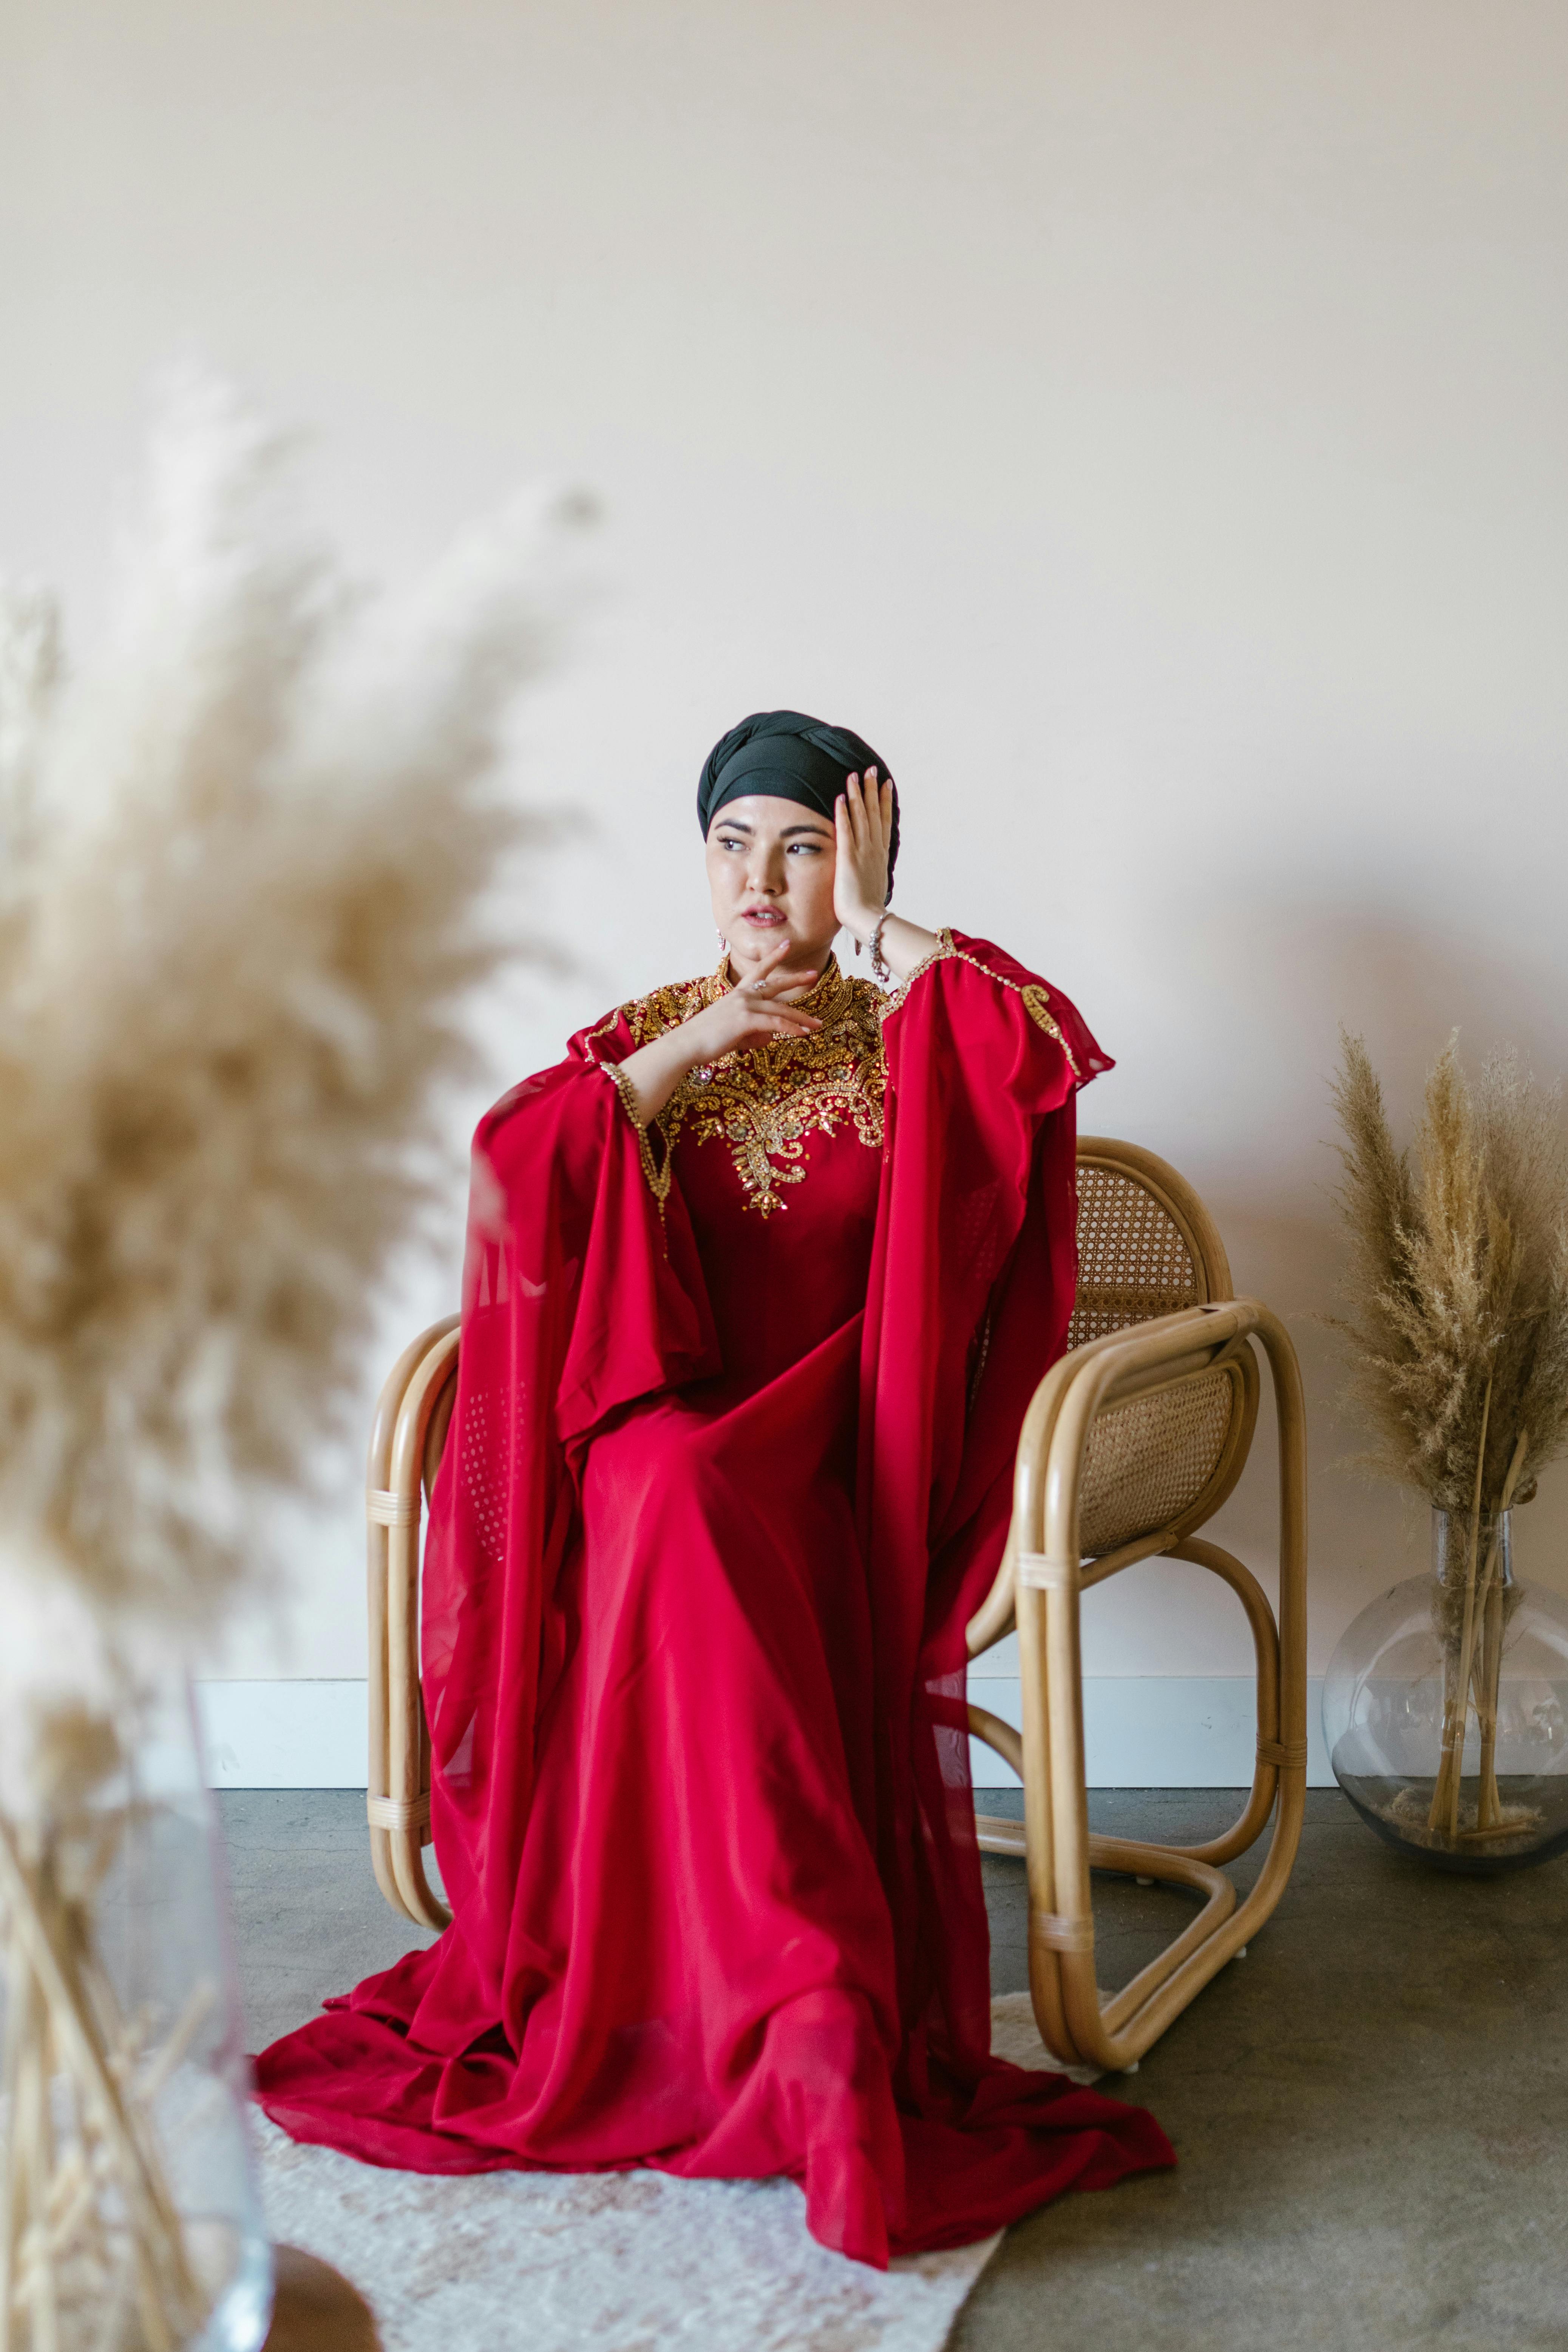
point(1053, 1443)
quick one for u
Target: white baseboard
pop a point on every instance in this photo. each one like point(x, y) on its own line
point(1155, 1731)
point(1143, 1731)
point(285, 1735)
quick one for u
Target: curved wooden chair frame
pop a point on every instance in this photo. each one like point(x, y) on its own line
point(1132, 1440)
point(409, 1430)
point(1157, 1363)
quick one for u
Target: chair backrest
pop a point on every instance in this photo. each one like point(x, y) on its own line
point(1147, 1246)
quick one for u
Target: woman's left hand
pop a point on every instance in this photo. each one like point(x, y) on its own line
point(864, 813)
point(864, 816)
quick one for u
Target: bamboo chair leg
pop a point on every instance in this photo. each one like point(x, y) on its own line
point(1282, 1758)
point(380, 1860)
point(406, 1745)
point(397, 1799)
point(1171, 1864)
point(1068, 1926)
point(1040, 1841)
point(1061, 1919)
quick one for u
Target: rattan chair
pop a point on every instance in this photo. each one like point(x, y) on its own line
point(1131, 1442)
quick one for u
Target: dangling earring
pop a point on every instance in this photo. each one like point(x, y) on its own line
point(723, 944)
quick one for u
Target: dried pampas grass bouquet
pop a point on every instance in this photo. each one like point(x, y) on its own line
point(247, 856)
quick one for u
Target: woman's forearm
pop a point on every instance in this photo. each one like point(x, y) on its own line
point(654, 1070)
point(905, 945)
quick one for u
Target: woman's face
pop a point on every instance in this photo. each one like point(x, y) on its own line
point(770, 869)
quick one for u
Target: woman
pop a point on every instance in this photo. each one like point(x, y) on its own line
point(760, 1281)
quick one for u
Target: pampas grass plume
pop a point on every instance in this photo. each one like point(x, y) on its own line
point(1457, 1286)
point(249, 851)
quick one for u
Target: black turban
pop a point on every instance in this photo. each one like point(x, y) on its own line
point(793, 758)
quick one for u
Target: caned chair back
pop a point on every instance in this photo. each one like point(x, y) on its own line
point(1148, 1247)
point(1146, 1244)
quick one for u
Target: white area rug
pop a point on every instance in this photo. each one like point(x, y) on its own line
point(625, 2261)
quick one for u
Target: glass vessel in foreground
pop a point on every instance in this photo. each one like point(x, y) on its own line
point(131, 2220)
point(1485, 1788)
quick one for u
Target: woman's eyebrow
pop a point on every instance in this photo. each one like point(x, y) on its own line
point(738, 824)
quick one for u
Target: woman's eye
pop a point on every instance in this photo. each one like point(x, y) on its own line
point(805, 849)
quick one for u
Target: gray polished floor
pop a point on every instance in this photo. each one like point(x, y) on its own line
point(1371, 2110)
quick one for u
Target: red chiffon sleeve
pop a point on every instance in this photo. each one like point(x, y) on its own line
point(971, 1292)
point(582, 1291)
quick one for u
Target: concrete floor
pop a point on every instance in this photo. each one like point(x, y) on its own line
point(1371, 2110)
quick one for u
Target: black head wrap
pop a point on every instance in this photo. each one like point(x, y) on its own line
point(793, 758)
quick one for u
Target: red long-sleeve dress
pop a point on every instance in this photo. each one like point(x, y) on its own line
point(729, 1469)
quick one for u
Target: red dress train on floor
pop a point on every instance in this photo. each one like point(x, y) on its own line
point(729, 1469)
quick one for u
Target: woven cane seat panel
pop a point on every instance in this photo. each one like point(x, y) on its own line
point(1132, 1263)
point(1150, 1459)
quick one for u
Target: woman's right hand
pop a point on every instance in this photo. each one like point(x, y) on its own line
point(757, 1010)
point(750, 1013)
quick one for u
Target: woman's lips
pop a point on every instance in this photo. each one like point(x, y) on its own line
point(766, 918)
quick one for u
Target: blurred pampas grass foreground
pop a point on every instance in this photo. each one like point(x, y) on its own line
point(248, 869)
point(247, 856)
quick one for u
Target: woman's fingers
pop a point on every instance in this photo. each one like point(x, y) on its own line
point(874, 794)
point(868, 802)
point(855, 813)
point(771, 958)
point(771, 1011)
point(769, 977)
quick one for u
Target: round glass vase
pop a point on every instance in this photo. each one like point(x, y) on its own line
point(130, 2220)
point(1446, 1708)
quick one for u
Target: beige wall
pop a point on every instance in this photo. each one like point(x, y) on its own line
point(1143, 419)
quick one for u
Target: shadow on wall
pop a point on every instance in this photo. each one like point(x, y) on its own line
point(1404, 985)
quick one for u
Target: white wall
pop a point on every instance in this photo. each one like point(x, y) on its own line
point(1143, 420)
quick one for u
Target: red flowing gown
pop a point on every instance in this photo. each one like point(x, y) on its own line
point(730, 1466)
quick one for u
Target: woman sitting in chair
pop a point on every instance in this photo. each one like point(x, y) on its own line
point(760, 1281)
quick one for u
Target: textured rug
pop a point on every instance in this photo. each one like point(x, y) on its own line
point(625, 2261)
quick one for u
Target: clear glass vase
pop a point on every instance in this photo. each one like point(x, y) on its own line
point(1446, 1708)
point(130, 2220)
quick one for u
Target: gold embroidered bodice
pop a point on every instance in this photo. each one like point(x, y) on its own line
point(765, 1102)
